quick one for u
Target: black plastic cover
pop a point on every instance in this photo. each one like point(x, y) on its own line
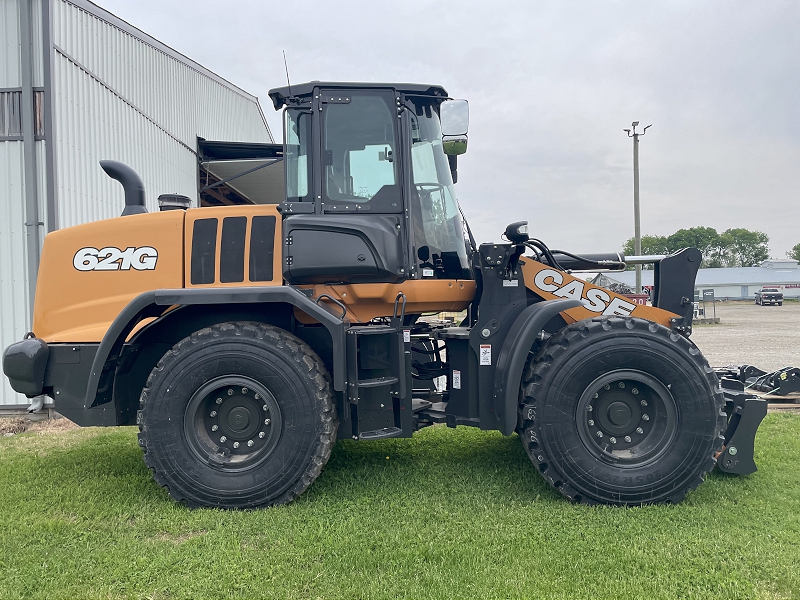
point(204, 251)
point(280, 95)
point(24, 364)
point(231, 259)
point(262, 248)
point(343, 249)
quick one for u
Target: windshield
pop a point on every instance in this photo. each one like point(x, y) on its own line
point(438, 230)
point(298, 142)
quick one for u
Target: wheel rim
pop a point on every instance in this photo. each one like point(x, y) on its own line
point(627, 418)
point(232, 423)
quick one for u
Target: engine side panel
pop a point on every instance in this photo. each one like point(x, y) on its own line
point(90, 272)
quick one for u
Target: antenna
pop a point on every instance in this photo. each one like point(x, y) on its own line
point(289, 83)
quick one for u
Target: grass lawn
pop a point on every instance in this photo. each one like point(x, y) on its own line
point(451, 513)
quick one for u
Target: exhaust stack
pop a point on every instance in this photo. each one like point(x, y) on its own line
point(131, 183)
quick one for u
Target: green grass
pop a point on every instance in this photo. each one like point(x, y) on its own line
point(448, 514)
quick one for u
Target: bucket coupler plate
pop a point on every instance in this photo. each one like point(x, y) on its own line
point(782, 382)
point(745, 413)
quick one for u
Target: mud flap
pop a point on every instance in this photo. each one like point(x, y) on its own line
point(745, 413)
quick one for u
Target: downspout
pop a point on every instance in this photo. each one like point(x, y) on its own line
point(49, 118)
point(32, 221)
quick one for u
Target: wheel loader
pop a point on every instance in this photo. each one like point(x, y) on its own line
point(244, 340)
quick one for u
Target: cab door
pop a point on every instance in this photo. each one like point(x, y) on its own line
point(356, 231)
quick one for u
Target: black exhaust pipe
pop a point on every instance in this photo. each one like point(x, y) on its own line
point(131, 183)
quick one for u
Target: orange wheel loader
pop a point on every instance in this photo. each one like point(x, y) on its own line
point(245, 340)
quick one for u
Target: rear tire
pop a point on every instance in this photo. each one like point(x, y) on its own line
point(621, 411)
point(237, 415)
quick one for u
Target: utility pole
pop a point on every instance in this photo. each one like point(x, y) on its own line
point(637, 230)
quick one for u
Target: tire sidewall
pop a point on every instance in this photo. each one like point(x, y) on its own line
point(660, 356)
point(268, 361)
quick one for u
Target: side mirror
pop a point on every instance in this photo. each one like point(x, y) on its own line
point(454, 115)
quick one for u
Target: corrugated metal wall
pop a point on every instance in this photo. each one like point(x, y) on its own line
point(14, 299)
point(9, 34)
point(117, 94)
point(118, 97)
point(9, 38)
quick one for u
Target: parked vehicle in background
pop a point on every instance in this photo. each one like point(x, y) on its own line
point(769, 295)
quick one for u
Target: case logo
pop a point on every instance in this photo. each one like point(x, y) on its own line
point(114, 259)
point(593, 299)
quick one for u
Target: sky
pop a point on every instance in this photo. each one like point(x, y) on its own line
point(551, 85)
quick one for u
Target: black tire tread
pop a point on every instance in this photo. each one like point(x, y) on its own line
point(559, 344)
point(301, 353)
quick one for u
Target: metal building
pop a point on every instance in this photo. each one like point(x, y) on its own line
point(78, 85)
point(740, 283)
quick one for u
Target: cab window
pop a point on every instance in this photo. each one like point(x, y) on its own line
point(359, 153)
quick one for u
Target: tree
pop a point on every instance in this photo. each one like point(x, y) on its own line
point(736, 247)
point(651, 244)
point(794, 252)
point(705, 239)
point(744, 248)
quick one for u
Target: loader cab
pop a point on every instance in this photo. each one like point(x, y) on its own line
point(369, 189)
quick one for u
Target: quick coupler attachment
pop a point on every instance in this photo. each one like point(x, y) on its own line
point(745, 413)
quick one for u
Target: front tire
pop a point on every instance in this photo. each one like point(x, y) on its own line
point(621, 411)
point(237, 415)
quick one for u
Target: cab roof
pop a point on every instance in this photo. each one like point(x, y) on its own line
point(280, 96)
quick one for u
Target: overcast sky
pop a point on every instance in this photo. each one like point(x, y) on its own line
point(551, 86)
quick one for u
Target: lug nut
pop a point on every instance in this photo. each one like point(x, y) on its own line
point(643, 402)
point(606, 387)
point(223, 439)
point(213, 413)
point(634, 391)
point(595, 395)
point(645, 417)
point(235, 444)
point(627, 438)
point(250, 443)
point(214, 427)
point(599, 434)
point(590, 408)
point(613, 440)
point(639, 430)
point(230, 392)
point(265, 407)
point(219, 400)
point(621, 385)
point(261, 434)
point(591, 423)
point(266, 421)
point(244, 390)
point(258, 396)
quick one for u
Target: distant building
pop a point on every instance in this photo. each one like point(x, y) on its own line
point(77, 85)
point(738, 283)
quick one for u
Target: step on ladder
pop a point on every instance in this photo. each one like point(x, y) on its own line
point(379, 399)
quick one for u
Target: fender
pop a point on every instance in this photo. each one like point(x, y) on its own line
point(155, 303)
point(514, 353)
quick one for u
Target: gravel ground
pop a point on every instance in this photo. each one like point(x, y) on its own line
point(767, 337)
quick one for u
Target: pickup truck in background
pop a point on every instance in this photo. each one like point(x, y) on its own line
point(769, 295)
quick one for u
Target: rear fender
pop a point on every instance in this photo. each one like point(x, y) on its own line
point(156, 303)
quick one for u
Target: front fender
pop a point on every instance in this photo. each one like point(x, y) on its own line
point(514, 354)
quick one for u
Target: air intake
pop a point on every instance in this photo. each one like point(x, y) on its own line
point(173, 202)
